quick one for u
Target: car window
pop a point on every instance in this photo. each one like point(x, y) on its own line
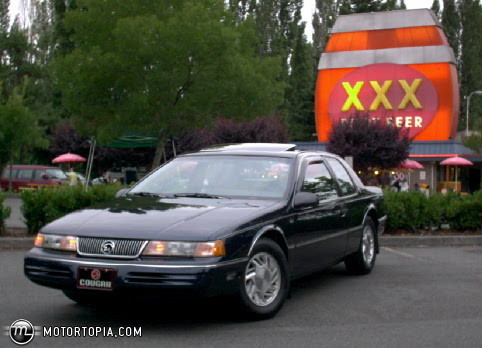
point(25, 174)
point(57, 174)
point(6, 173)
point(347, 186)
point(319, 181)
point(40, 175)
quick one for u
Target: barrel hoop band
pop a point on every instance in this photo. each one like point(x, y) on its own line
point(401, 55)
point(385, 20)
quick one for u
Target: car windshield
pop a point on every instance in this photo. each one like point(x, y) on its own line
point(56, 174)
point(219, 176)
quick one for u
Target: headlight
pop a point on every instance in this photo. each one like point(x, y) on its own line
point(53, 241)
point(187, 249)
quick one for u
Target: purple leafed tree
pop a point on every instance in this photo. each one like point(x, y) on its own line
point(372, 143)
point(224, 131)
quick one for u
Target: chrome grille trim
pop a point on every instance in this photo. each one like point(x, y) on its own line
point(124, 248)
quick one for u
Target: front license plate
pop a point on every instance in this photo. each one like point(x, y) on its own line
point(95, 278)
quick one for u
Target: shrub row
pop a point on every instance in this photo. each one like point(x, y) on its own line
point(43, 206)
point(413, 210)
point(4, 213)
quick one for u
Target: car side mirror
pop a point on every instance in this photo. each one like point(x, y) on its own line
point(122, 192)
point(305, 200)
point(45, 177)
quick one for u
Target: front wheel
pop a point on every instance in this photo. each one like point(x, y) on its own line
point(363, 260)
point(265, 282)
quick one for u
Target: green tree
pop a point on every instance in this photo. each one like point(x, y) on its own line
point(474, 141)
point(451, 25)
point(62, 35)
point(436, 8)
point(299, 94)
point(142, 66)
point(18, 129)
point(470, 67)
point(324, 17)
point(402, 5)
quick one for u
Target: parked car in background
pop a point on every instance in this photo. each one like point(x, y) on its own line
point(242, 219)
point(31, 177)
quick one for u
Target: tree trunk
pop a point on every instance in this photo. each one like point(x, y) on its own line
point(160, 152)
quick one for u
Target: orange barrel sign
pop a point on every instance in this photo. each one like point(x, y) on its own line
point(393, 65)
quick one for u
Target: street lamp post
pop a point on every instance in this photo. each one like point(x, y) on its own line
point(468, 107)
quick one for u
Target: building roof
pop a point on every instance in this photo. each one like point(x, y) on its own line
point(435, 151)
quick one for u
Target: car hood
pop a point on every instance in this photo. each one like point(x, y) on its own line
point(195, 219)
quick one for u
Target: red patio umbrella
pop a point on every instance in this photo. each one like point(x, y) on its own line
point(68, 158)
point(456, 161)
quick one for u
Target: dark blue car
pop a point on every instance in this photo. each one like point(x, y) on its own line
point(235, 219)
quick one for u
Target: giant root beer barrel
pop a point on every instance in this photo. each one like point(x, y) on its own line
point(396, 66)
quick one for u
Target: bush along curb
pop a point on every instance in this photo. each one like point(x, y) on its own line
point(413, 211)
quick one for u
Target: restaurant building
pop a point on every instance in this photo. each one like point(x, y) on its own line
point(398, 67)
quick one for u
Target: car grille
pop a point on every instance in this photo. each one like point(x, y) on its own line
point(119, 248)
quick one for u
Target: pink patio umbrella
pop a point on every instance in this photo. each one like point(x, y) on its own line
point(68, 158)
point(456, 161)
point(410, 164)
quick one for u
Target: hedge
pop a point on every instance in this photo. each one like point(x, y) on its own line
point(413, 211)
point(4, 213)
point(405, 210)
point(45, 205)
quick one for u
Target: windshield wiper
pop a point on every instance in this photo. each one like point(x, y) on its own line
point(199, 195)
point(148, 194)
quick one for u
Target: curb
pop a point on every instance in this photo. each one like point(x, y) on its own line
point(417, 241)
point(389, 241)
point(16, 242)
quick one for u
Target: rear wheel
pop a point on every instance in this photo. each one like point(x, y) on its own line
point(363, 260)
point(264, 284)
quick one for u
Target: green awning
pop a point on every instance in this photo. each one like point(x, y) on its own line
point(132, 140)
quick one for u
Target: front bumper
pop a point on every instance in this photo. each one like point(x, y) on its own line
point(137, 277)
point(382, 223)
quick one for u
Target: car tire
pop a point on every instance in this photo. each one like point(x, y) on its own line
point(264, 283)
point(363, 260)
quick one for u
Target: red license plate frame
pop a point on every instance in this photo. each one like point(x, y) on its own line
point(94, 278)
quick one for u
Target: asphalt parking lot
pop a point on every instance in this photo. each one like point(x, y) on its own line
point(415, 297)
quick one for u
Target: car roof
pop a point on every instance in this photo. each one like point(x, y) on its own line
point(257, 149)
point(30, 166)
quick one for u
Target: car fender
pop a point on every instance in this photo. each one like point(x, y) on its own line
point(263, 231)
point(372, 207)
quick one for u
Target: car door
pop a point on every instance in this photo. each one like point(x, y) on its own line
point(317, 229)
point(24, 178)
point(353, 202)
point(40, 178)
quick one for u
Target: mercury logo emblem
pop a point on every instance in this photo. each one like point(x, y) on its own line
point(95, 274)
point(21, 332)
point(107, 247)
